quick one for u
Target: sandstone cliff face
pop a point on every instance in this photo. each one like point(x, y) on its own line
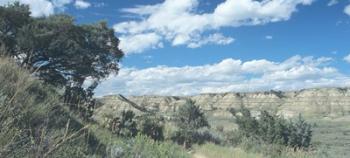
point(325, 102)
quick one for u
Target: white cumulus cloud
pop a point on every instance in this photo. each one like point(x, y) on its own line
point(216, 38)
point(226, 76)
point(347, 10)
point(268, 37)
point(179, 22)
point(347, 58)
point(332, 2)
point(140, 42)
point(37, 7)
point(41, 8)
point(80, 4)
point(61, 3)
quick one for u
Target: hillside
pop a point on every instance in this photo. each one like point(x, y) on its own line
point(321, 102)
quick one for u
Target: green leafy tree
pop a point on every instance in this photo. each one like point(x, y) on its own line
point(152, 127)
point(273, 129)
point(60, 52)
point(189, 119)
point(63, 53)
point(12, 18)
point(245, 121)
point(125, 124)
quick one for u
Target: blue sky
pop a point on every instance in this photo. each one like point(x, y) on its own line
point(187, 47)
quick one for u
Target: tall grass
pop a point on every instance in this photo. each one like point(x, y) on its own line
point(32, 123)
point(145, 147)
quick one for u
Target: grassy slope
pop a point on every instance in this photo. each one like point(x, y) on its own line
point(26, 104)
point(34, 123)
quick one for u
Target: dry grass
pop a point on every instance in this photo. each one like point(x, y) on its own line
point(215, 151)
point(32, 122)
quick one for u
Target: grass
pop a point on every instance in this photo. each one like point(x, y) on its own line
point(216, 151)
point(331, 139)
point(34, 123)
point(332, 136)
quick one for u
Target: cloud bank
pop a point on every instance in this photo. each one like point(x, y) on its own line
point(226, 76)
point(179, 23)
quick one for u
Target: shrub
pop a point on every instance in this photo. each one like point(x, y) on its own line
point(273, 129)
point(151, 127)
point(206, 135)
point(300, 133)
point(124, 125)
point(189, 119)
point(145, 147)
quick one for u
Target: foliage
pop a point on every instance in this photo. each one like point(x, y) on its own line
point(273, 129)
point(13, 17)
point(151, 127)
point(32, 122)
point(57, 50)
point(145, 147)
point(125, 124)
point(300, 133)
point(206, 135)
point(60, 52)
point(189, 119)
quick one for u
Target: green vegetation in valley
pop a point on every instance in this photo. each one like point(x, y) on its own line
point(46, 109)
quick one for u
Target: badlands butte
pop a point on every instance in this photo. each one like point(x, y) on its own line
point(318, 102)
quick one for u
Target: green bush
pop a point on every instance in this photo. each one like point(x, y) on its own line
point(189, 119)
point(145, 147)
point(206, 135)
point(151, 127)
point(273, 129)
point(124, 125)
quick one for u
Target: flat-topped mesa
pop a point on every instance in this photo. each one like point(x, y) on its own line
point(327, 102)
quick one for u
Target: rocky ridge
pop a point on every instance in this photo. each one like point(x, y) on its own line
point(325, 102)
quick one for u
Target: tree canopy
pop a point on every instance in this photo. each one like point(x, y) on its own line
point(56, 49)
point(189, 119)
point(60, 52)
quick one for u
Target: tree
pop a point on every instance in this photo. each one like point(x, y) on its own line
point(151, 127)
point(125, 125)
point(60, 52)
point(189, 119)
point(273, 129)
point(12, 18)
point(245, 121)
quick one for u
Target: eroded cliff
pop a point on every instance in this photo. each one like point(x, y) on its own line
point(324, 102)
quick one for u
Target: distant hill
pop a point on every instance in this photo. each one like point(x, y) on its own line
point(320, 102)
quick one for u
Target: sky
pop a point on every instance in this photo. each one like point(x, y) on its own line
point(189, 47)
